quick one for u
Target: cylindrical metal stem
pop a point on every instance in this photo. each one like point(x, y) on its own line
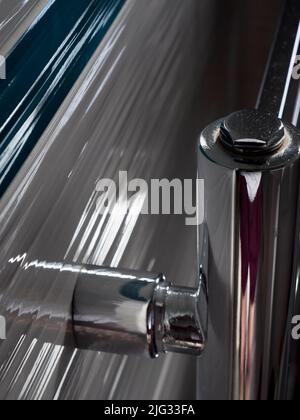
point(115, 311)
point(112, 310)
point(251, 201)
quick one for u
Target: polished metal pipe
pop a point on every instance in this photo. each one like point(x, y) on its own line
point(250, 166)
point(114, 311)
point(128, 312)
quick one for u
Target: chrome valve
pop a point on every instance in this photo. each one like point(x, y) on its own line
point(113, 310)
point(239, 312)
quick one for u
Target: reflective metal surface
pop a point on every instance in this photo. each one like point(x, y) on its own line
point(184, 320)
point(115, 311)
point(250, 246)
point(288, 98)
point(16, 17)
point(50, 213)
point(40, 71)
point(260, 261)
point(274, 95)
point(112, 310)
point(252, 134)
point(139, 106)
point(127, 312)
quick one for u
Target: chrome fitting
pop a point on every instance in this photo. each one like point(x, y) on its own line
point(127, 312)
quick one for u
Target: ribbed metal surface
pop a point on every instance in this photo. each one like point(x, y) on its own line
point(138, 107)
point(42, 68)
point(112, 121)
point(16, 17)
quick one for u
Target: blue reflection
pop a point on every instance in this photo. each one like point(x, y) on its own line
point(41, 70)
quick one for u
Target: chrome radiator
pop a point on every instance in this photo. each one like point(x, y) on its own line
point(76, 322)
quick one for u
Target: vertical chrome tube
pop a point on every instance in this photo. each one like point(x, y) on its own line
point(250, 166)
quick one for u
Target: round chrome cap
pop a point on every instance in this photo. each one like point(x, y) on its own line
point(252, 132)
